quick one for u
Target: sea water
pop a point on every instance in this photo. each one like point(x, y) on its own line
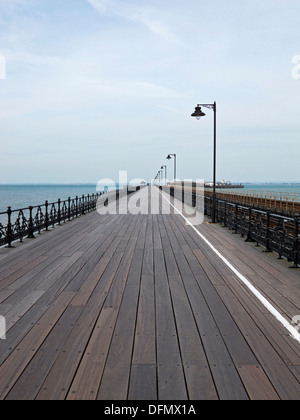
point(23, 196)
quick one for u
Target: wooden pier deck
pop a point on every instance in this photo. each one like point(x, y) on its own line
point(138, 307)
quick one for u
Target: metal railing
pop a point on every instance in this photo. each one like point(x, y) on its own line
point(281, 203)
point(266, 195)
point(277, 233)
point(25, 222)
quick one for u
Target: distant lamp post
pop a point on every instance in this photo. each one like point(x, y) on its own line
point(199, 114)
point(169, 157)
point(165, 168)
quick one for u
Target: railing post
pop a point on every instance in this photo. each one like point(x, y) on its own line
point(88, 203)
point(236, 218)
point(58, 212)
point(268, 231)
point(92, 202)
point(249, 225)
point(46, 216)
point(194, 199)
point(296, 242)
point(9, 232)
point(225, 213)
point(76, 205)
point(69, 209)
point(31, 226)
point(83, 204)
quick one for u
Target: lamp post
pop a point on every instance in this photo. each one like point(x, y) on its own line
point(165, 167)
point(169, 157)
point(199, 114)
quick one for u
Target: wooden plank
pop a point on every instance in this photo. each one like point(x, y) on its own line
point(143, 383)
point(88, 377)
point(7, 282)
point(158, 315)
point(226, 377)
point(115, 379)
point(32, 378)
point(171, 380)
point(235, 341)
point(63, 371)
point(275, 333)
point(20, 329)
point(278, 373)
point(144, 345)
point(266, 267)
point(22, 307)
point(32, 279)
point(61, 375)
point(257, 383)
point(15, 364)
point(143, 372)
point(200, 383)
point(48, 242)
point(84, 293)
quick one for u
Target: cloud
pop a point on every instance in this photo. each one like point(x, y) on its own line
point(134, 90)
point(152, 19)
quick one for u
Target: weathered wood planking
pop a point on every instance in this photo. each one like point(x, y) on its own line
point(138, 307)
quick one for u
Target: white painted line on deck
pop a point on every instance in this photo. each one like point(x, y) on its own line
point(292, 330)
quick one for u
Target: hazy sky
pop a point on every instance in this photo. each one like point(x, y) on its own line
point(97, 86)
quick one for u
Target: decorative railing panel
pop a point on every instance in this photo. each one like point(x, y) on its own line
point(277, 233)
point(24, 223)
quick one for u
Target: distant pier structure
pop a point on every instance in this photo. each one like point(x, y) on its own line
point(224, 184)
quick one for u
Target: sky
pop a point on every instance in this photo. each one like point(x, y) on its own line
point(89, 88)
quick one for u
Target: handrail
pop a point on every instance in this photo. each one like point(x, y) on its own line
point(282, 203)
point(268, 195)
point(32, 219)
point(276, 232)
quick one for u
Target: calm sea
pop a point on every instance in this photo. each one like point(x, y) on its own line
point(284, 187)
point(21, 196)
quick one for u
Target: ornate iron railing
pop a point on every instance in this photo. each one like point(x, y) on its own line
point(27, 221)
point(277, 233)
